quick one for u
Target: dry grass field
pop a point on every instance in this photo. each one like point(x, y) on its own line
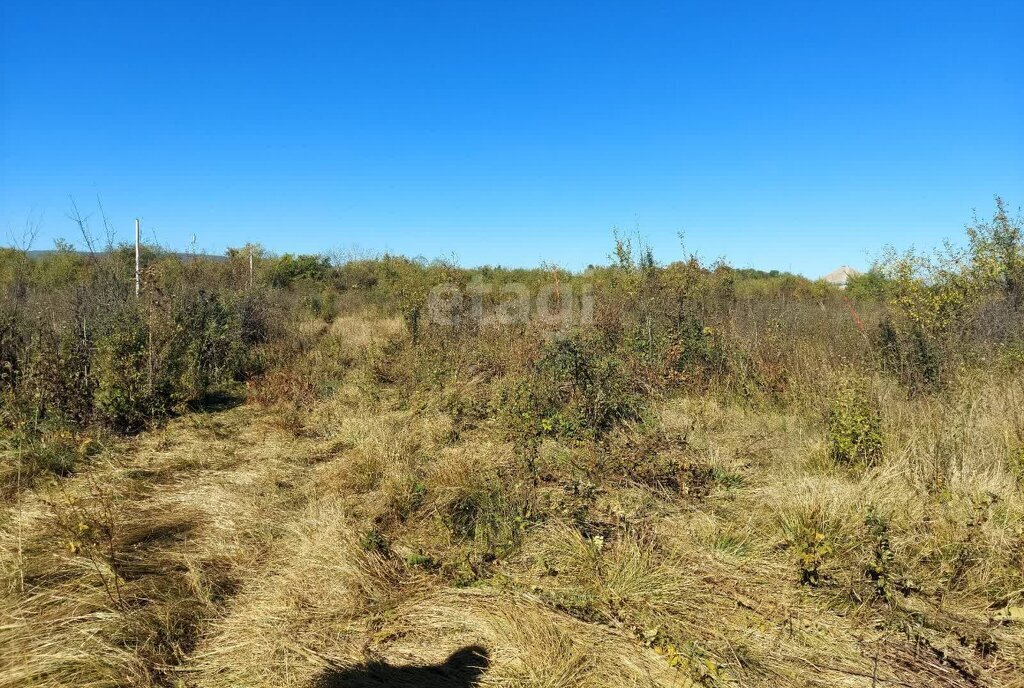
point(257, 546)
point(702, 477)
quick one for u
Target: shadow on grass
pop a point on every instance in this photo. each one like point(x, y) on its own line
point(462, 669)
point(221, 400)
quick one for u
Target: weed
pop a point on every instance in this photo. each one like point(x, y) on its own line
point(374, 540)
point(813, 550)
point(883, 570)
point(854, 429)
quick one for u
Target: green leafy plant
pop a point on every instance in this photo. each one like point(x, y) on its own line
point(574, 390)
point(883, 570)
point(854, 429)
point(812, 551)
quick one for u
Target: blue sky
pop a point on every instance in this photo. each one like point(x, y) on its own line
point(778, 135)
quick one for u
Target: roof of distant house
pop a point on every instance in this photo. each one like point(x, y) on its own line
point(840, 275)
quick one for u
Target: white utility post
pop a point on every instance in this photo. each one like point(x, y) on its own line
point(250, 267)
point(138, 259)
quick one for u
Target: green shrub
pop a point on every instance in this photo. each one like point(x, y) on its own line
point(871, 285)
point(202, 348)
point(55, 455)
point(11, 345)
point(322, 303)
point(854, 429)
point(57, 376)
point(124, 392)
point(373, 540)
point(574, 390)
point(162, 357)
point(287, 269)
point(45, 450)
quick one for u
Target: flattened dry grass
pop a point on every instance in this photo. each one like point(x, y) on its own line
point(306, 609)
point(110, 575)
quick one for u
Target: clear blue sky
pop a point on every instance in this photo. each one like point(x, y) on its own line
point(780, 135)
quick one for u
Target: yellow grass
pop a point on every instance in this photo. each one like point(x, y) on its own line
point(251, 552)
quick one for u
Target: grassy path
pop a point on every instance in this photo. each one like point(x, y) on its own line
point(113, 573)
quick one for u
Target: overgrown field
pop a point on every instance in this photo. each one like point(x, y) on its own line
point(382, 471)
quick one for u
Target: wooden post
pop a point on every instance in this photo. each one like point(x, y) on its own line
point(138, 260)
